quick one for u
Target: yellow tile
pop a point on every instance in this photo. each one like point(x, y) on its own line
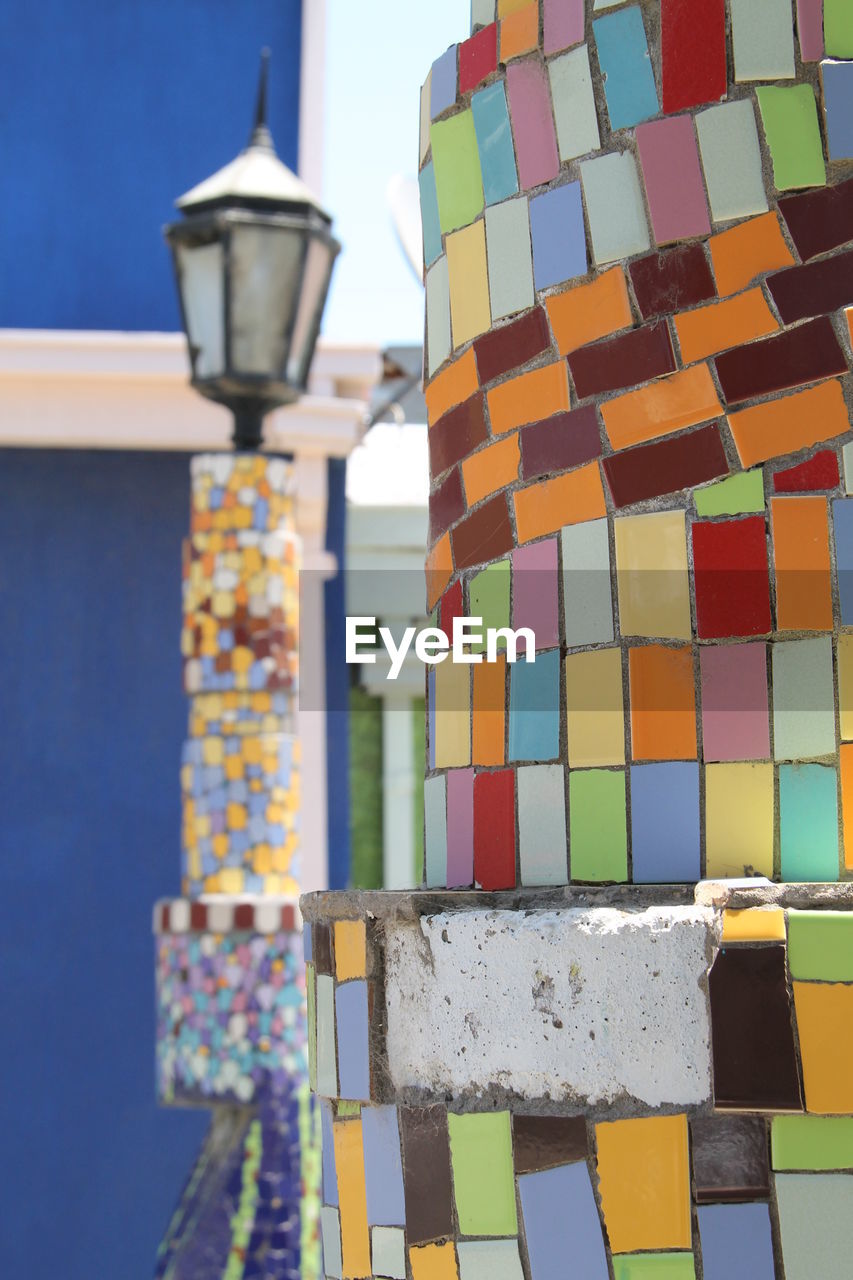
point(434, 1262)
point(594, 709)
point(738, 820)
point(645, 1183)
point(469, 283)
point(350, 949)
point(755, 924)
point(349, 1161)
point(651, 576)
point(825, 1026)
point(452, 715)
point(845, 684)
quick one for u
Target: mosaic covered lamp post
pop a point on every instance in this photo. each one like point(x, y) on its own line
point(611, 1035)
point(253, 259)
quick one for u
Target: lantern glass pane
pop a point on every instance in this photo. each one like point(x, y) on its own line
point(266, 267)
point(315, 286)
point(202, 293)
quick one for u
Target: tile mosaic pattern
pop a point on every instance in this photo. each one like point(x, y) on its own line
point(641, 365)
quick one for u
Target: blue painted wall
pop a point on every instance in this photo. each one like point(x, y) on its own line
point(109, 110)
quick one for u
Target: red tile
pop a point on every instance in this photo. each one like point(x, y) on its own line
point(818, 472)
point(457, 434)
point(165, 918)
point(198, 916)
point(625, 361)
point(666, 466)
point(820, 220)
point(494, 829)
point(667, 282)
point(288, 918)
point(450, 607)
point(244, 916)
point(732, 578)
point(446, 504)
point(808, 353)
point(564, 441)
point(478, 58)
point(693, 52)
point(815, 289)
point(512, 345)
point(485, 535)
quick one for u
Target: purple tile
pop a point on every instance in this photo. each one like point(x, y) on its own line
point(443, 90)
point(563, 24)
point(668, 282)
point(791, 359)
point(330, 1175)
point(383, 1167)
point(820, 220)
point(735, 713)
point(624, 361)
point(460, 828)
point(558, 235)
point(666, 466)
point(511, 345)
point(532, 122)
point(535, 598)
point(563, 441)
point(351, 1017)
point(810, 29)
point(670, 162)
point(814, 289)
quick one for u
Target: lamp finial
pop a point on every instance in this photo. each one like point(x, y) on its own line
point(261, 136)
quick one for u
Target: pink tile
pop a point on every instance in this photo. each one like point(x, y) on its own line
point(810, 29)
point(534, 591)
point(563, 24)
point(460, 828)
point(735, 720)
point(673, 178)
point(532, 122)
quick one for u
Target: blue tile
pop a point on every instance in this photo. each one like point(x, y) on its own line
point(307, 943)
point(623, 56)
point(330, 1174)
point(561, 1221)
point(534, 708)
point(559, 241)
point(808, 822)
point(736, 1242)
point(383, 1167)
point(494, 142)
point(838, 101)
point(429, 215)
point(353, 1052)
point(443, 92)
point(665, 822)
point(842, 512)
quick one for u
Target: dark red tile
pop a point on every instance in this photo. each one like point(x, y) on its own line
point(288, 918)
point(731, 1158)
point(478, 58)
point(494, 829)
point(446, 504)
point(813, 290)
point(198, 916)
point(457, 434)
point(731, 577)
point(651, 470)
point(818, 472)
point(791, 359)
point(244, 916)
point(559, 443)
point(485, 535)
point(693, 52)
point(165, 918)
point(755, 1061)
point(321, 942)
point(820, 220)
point(544, 1142)
point(450, 607)
point(427, 1187)
point(670, 281)
point(625, 361)
point(512, 345)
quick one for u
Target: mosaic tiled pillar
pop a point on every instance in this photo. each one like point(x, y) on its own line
point(230, 978)
point(600, 1042)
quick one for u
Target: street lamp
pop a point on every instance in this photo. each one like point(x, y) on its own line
point(253, 259)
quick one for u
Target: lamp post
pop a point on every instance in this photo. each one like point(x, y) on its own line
point(253, 258)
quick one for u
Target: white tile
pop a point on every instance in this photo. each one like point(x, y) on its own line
point(510, 257)
point(731, 158)
point(615, 208)
point(763, 39)
point(438, 314)
point(574, 104)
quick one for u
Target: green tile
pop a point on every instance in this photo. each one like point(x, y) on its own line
point(732, 497)
point(820, 945)
point(838, 28)
point(347, 1108)
point(793, 135)
point(488, 598)
point(812, 1142)
point(598, 841)
point(654, 1266)
point(483, 1176)
point(458, 178)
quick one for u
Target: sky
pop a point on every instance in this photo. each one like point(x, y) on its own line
point(379, 53)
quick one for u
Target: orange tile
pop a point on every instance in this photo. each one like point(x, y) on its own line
point(801, 557)
point(588, 311)
point(663, 703)
point(352, 1194)
point(847, 802)
point(679, 400)
point(439, 570)
point(453, 385)
point(491, 469)
point(520, 31)
point(529, 397)
point(569, 499)
point(488, 727)
point(434, 1262)
point(721, 325)
point(784, 426)
point(849, 314)
point(350, 949)
point(746, 251)
point(825, 1026)
point(506, 7)
point(644, 1181)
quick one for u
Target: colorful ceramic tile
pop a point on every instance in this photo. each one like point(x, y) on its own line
point(425, 117)
point(510, 258)
point(330, 1227)
point(614, 205)
point(494, 141)
point(574, 104)
point(748, 250)
point(534, 708)
point(846, 779)
point(731, 158)
point(644, 1183)
point(559, 238)
point(535, 598)
point(693, 53)
point(673, 179)
point(545, 1142)
point(529, 397)
point(667, 282)
point(820, 471)
point(485, 534)
point(735, 716)
point(654, 1266)
point(426, 1174)
point(355, 1236)
point(731, 578)
point(429, 215)
point(594, 712)
point(722, 325)
point(838, 29)
point(810, 29)
point(663, 703)
point(489, 719)
point(814, 289)
point(651, 575)
point(543, 508)
point(763, 39)
point(482, 13)
point(736, 1237)
point(845, 684)
point(383, 1168)
point(842, 519)
point(351, 1017)
point(582, 313)
point(494, 830)
point(623, 361)
point(730, 1158)
point(434, 1262)
point(437, 315)
point(587, 591)
point(669, 856)
point(789, 424)
point(598, 831)
point(469, 283)
point(740, 494)
point(560, 1221)
point(815, 1215)
point(560, 443)
point(452, 722)
point(797, 356)
point(488, 599)
point(520, 31)
point(679, 400)
point(327, 1065)
point(623, 56)
point(509, 346)
point(820, 1143)
point(820, 946)
point(837, 80)
point(563, 24)
point(458, 180)
point(455, 384)
point(532, 122)
point(739, 818)
point(825, 1028)
point(489, 1260)
point(803, 698)
point(801, 558)
point(665, 466)
point(791, 127)
point(389, 1252)
point(457, 434)
point(542, 824)
point(491, 469)
point(350, 949)
point(808, 822)
point(460, 827)
point(478, 58)
point(481, 1155)
point(443, 82)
